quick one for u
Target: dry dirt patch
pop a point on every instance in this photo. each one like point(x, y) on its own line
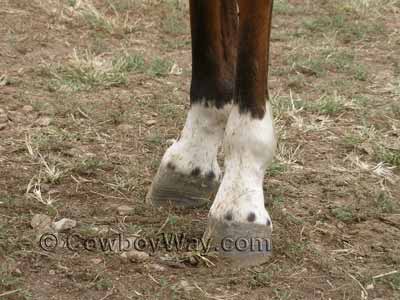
point(92, 92)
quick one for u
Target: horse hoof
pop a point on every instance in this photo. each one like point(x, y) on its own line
point(239, 244)
point(170, 188)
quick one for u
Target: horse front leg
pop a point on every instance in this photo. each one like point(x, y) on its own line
point(238, 216)
point(189, 174)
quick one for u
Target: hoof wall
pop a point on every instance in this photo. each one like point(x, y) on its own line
point(240, 244)
point(170, 188)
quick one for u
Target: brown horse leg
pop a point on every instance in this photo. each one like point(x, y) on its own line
point(189, 174)
point(238, 215)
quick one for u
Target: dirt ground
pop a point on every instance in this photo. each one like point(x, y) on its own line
point(91, 94)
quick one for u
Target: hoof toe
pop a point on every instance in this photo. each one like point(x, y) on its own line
point(240, 244)
point(170, 188)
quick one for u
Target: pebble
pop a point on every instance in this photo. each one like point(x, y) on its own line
point(157, 267)
point(27, 108)
point(135, 256)
point(184, 284)
point(17, 271)
point(96, 261)
point(151, 122)
point(124, 210)
point(43, 121)
point(170, 142)
point(64, 224)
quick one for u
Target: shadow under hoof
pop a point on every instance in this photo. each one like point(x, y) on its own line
point(170, 188)
point(239, 245)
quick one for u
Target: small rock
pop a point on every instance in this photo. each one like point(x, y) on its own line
point(170, 142)
point(52, 272)
point(184, 284)
point(340, 225)
point(40, 221)
point(27, 108)
point(96, 261)
point(370, 287)
point(44, 188)
point(135, 256)
point(17, 271)
point(64, 224)
point(3, 126)
point(157, 267)
point(193, 261)
point(151, 122)
point(124, 210)
point(43, 121)
point(89, 155)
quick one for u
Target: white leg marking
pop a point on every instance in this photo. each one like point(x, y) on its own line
point(249, 147)
point(198, 145)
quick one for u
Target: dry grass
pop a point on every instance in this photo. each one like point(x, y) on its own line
point(92, 93)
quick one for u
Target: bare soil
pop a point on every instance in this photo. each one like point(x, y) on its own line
point(91, 94)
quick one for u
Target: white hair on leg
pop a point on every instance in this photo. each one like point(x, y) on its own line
point(249, 146)
point(197, 148)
